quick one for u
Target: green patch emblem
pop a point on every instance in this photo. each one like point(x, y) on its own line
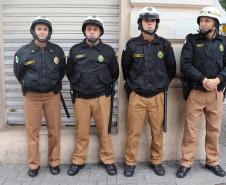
point(221, 47)
point(17, 59)
point(160, 54)
point(100, 58)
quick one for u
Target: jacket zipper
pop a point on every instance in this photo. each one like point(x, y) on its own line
point(43, 64)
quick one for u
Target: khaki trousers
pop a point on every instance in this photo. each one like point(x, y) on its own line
point(99, 109)
point(34, 104)
point(138, 108)
point(211, 104)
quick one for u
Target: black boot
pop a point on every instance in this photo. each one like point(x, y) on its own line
point(158, 169)
point(33, 172)
point(182, 171)
point(74, 169)
point(129, 170)
point(110, 168)
point(217, 170)
point(54, 170)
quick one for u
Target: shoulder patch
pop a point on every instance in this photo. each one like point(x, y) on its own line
point(16, 59)
point(221, 47)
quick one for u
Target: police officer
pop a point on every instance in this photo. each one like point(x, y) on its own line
point(91, 68)
point(203, 63)
point(148, 65)
point(39, 67)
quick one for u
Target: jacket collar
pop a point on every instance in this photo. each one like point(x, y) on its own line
point(34, 48)
point(99, 46)
point(142, 41)
point(203, 37)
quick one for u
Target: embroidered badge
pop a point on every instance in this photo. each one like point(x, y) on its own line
point(138, 55)
point(221, 47)
point(79, 56)
point(160, 54)
point(200, 45)
point(100, 58)
point(56, 60)
point(17, 59)
point(29, 62)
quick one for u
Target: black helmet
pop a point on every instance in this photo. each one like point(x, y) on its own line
point(93, 20)
point(148, 13)
point(41, 20)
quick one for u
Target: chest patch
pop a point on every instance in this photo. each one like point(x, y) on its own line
point(29, 62)
point(221, 47)
point(79, 56)
point(200, 45)
point(138, 55)
point(160, 54)
point(100, 58)
point(56, 60)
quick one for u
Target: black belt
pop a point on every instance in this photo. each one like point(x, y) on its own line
point(90, 96)
point(147, 95)
point(41, 92)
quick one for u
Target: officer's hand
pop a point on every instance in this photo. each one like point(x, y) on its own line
point(204, 82)
point(211, 84)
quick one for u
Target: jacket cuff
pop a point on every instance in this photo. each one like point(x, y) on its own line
point(221, 78)
point(201, 78)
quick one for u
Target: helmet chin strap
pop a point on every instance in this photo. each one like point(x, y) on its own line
point(38, 39)
point(208, 31)
point(152, 32)
point(41, 40)
point(93, 40)
point(205, 32)
point(149, 32)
